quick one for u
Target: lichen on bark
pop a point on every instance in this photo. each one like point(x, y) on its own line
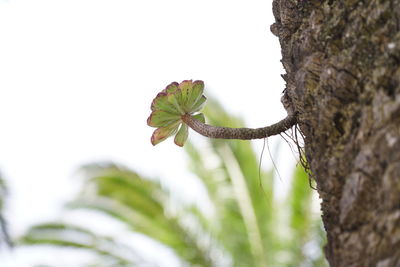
point(342, 62)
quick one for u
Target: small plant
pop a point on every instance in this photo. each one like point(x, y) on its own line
point(170, 105)
point(176, 108)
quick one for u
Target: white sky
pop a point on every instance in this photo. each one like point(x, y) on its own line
point(77, 78)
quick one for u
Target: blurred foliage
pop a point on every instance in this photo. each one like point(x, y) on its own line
point(244, 226)
point(4, 235)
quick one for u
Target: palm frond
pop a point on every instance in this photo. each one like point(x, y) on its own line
point(241, 197)
point(302, 221)
point(142, 204)
point(67, 235)
point(245, 225)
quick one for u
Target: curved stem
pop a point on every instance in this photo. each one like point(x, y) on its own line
point(239, 133)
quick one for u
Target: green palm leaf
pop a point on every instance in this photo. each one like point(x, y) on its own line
point(141, 204)
point(66, 235)
point(244, 206)
point(241, 230)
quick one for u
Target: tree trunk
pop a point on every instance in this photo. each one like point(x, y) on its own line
point(342, 60)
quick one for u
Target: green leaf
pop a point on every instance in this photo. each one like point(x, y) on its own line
point(200, 117)
point(161, 103)
point(162, 133)
point(299, 201)
point(161, 118)
point(199, 104)
point(195, 95)
point(186, 88)
point(174, 90)
point(175, 100)
point(182, 135)
point(171, 88)
point(67, 235)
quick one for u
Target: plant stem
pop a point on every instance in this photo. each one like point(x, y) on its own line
point(239, 133)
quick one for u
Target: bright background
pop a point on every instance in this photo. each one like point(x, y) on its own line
point(77, 78)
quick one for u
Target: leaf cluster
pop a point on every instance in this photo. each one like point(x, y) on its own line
point(170, 105)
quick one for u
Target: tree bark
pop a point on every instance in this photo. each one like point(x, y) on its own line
point(342, 62)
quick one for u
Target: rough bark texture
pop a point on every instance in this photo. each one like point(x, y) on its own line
point(342, 61)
